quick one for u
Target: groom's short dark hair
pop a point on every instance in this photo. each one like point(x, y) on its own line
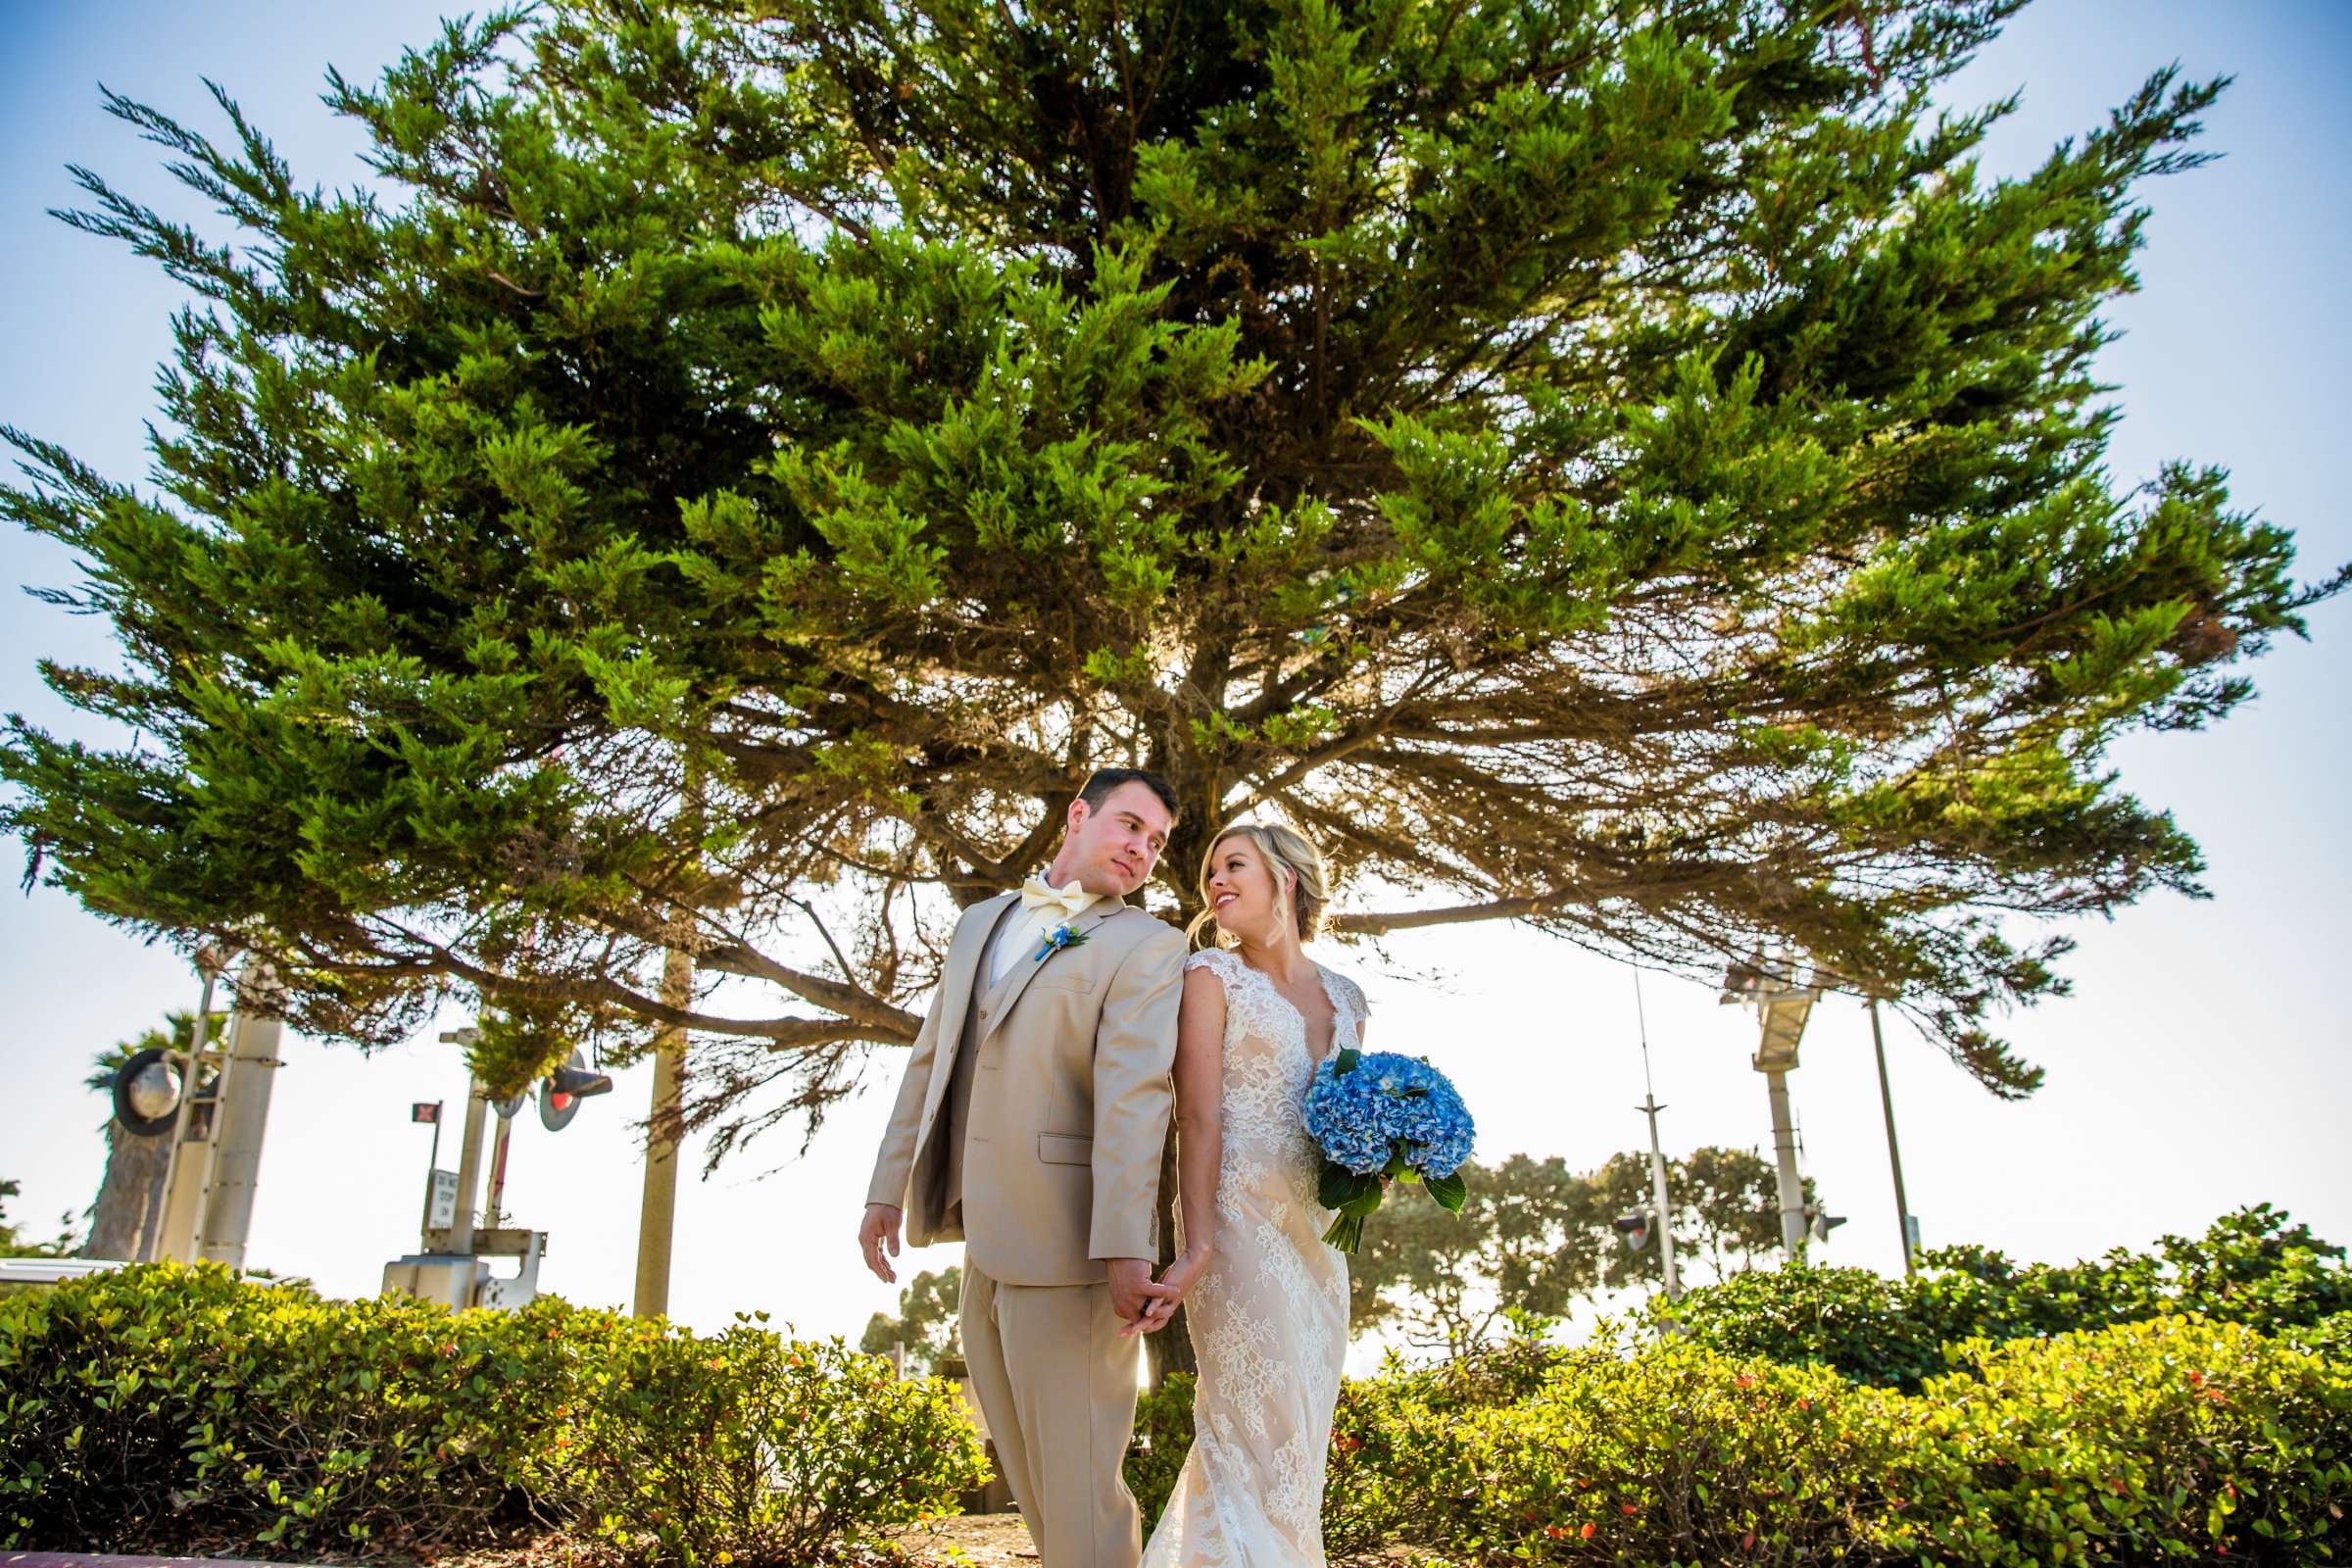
point(1099, 786)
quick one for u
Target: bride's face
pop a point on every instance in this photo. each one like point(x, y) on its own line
point(1242, 889)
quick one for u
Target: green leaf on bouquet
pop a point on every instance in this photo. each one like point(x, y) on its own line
point(1342, 1188)
point(1450, 1191)
point(1344, 1063)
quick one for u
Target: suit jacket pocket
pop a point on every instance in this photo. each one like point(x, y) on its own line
point(1065, 1148)
point(1062, 980)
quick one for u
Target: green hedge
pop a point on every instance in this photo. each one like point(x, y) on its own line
point(159, 1408)
point(2178, 1438)
point(2173, 1439)
point(2249, 1267)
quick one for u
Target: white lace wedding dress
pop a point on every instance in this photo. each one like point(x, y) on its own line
point(1269, 1319)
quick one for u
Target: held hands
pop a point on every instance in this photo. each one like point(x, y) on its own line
point(1134, 1293)
point(1144, 1304)
point(1160, 1309)
point(879, 1230)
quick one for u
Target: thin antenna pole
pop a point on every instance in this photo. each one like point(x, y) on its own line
point(1657, 1158)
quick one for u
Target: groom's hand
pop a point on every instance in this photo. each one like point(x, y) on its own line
point(880, 1229)
point(1132, 1288)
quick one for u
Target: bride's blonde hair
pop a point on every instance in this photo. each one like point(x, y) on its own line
point(1284, 848)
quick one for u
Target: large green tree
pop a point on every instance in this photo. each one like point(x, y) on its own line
point(738, 466)
point(1536, 1237)
point(928, 1323)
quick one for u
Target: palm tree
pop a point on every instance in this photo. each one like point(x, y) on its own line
point(130, 1197)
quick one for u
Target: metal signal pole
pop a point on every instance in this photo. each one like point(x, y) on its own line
point(1894, 1155)
point(1650, 1108)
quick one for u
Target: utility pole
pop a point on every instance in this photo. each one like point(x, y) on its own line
point(1894, 1155)
point(1781, 1005)
point(1784, 1152)
point(225, 1217)
point(208, 965)
point(657, 1219)
point(469, 1151)
point(210, 1173)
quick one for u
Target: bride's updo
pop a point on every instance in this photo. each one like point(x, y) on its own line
point(1285, 850)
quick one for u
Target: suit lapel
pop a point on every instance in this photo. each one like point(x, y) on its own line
point(965, 950)
point(1024, 968)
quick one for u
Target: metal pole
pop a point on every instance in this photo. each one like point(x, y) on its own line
point(1657, 1157)
point(248, 1077)
point(496, 1212)
point(1894, 1154)
point(191, 1071)
point(1783, 1148)
point(656, 1217)
point(433, 1163)
point(189, 1196)
point(1657, 1185)
point(470, 1169)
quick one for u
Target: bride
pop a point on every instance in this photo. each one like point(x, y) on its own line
point(1268, 1300)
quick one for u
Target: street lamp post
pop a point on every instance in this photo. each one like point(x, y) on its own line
point(209, 965)
point(1782, 1006)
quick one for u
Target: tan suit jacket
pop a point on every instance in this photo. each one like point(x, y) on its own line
point(1070, 1099)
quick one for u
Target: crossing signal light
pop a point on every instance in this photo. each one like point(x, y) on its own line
point(1633, 1228)
point(146, 1089)
point(562, 1091)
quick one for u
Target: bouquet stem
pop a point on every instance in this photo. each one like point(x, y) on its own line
point(1346, 1233)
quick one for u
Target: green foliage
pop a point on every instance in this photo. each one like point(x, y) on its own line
point(929, 1321)
point(179, 1029)
point(151, 1407)
point(1392, 1443)
point(144, 1402)
point(14, 1244)
point(1164, 1435)
point(2139, 1444)
point(878, 416)
point(679, 1447)
point(2176, 1438)
point(1534, 1237)
point(2250, 1267)
point(2169, 1439)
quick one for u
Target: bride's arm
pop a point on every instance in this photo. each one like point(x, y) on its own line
point(1200, 1075)
point(1199, 1105)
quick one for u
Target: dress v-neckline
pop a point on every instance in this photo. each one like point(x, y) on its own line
point(1331, 998)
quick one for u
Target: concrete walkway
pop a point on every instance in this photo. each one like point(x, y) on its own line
point(88, 1559)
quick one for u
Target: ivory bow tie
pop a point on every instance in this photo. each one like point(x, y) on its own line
point(1036, 894)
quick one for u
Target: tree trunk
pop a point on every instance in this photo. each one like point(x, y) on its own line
point(133, 1187)
point(1171, 1349)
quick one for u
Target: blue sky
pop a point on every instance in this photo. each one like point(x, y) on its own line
point(2199, 1065)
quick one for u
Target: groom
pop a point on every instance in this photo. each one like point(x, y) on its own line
point(1029, 1125)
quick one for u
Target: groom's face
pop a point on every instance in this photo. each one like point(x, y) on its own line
point(1115, 846)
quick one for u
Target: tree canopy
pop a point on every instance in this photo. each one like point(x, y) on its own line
point(927, 1324)
point(735, 468)
point(1537, 1238)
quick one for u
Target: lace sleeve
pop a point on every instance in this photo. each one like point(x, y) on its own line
point(1356, 998)
point(1217, 961)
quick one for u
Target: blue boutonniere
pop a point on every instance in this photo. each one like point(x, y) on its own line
point(1061, 937)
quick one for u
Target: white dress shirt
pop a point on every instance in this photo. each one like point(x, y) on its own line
point(1024, 929)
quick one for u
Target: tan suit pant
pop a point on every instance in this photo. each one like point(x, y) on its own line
point(1056, 1384)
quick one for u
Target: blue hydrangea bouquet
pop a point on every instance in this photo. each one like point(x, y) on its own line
point(1381, 1118)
